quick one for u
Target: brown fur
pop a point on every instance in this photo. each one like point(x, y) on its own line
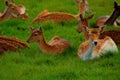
point(13, 11)
point(10, 44)
point(60, 16)
point(110, 20)
point(114, 34)
point(55, 46)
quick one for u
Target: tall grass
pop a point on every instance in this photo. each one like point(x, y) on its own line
point(32, 64)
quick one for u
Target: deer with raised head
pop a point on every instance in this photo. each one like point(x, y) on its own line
point(62, 16)
point(13, 11)
point(84, 21)
point(95, 47)
point(110, 20)
point(55, 46)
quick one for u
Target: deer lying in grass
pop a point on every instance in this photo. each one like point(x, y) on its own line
point(84, 21)
point(10, 44)
point(56, 45)
point(95, 47)
point(62, 16)
point(13, 11)
point(110, 20)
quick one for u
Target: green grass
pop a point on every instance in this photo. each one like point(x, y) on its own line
point(32, 64)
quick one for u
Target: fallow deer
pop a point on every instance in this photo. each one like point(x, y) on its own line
point(110, 20)
point(95, 47)
point(13, 11)
point(84, 21)
point(11, 44)
point(62, 16)
point(55, 46)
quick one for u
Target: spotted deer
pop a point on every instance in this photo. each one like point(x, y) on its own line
point(62, 16)
point(110, 20)
point(13, 11)
point(55, 46)
point(95, 47)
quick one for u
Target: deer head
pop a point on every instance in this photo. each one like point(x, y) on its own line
point(94, 34)
point(36, 35)
point(12, 9)
point(15, 11)
point(117, 8)
point(83, 21)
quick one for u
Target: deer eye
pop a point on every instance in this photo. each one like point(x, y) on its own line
point(36, 34)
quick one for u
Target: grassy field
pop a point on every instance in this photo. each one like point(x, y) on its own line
point(32, 64)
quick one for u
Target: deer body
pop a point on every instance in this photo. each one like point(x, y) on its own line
point(62, 16)
point(56, 17)
point(110, 20)
point(94, 47)
point(56, 45)
point(13, 11)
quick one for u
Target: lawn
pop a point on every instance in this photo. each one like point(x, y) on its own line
point(32, 64)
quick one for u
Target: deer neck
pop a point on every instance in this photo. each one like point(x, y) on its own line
point(81, 9)
point(43, 45)
point(5, 15)
point(89, 51)
point(86, 35)
point(112, 18)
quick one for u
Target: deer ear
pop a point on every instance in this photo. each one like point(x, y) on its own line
point(22, 9)
point(115, 4)
point(91, 16)
point(6, 3)
point(31, 28)
point(101, 29)
point(85, 28)
point(40, 29)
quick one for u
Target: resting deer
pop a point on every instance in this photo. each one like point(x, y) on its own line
point(84, 21)
point(56, 45)
point(13, 11)
point(11, 44)
point(95, 47)
point(62, 16)
point(110, 20)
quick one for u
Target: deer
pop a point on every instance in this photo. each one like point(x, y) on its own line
point(55, 46)
point(110, 20)
point(58, 17)
point(13, 11)
point(11, 44)
point(95, 47)
point(84, 21)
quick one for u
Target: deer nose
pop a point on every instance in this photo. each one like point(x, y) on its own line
point(95, 43)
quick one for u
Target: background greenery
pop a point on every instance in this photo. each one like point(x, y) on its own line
point(32, 64)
